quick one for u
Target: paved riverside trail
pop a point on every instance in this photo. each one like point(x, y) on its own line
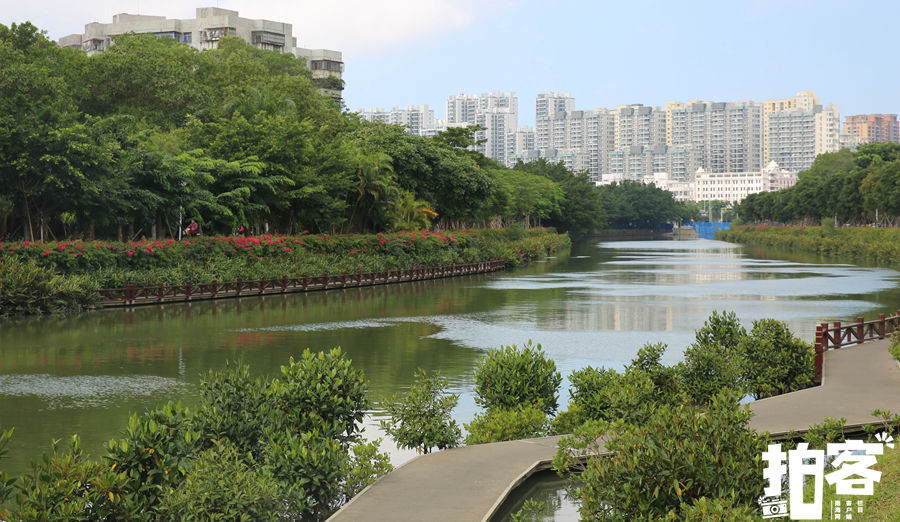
point(469, 483)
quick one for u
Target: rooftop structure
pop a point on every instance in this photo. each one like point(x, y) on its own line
point(206, 30)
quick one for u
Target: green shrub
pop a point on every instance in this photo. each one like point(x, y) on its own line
point(322, 391)
point(665, 378)
point(508, 377)
point(895, 345)
point(716, 510)
point(26, 288)
point(709, 368)
point(66, 486)
point(829, 430)
point(722, 329)
point(679, 455)
point(604, 394)
point(220, 484)
point(365, 466)
point(775, 362)
point(284, 445)
point(7, 485)
point(309, 469)
point(498, 425)
point(236, 407)
point(421, 418)
point(153, 450)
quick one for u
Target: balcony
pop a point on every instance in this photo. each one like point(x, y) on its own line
point(214, 34)
point(267, 39)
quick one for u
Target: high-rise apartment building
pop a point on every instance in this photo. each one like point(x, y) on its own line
point(797, 129)
point(640, 125)
point(727, 136)
point(638, 161)
point(548, 107)
point(419, 120)
point(873, 128)
point(497, 112)
point(204, 32)
point(519, 144)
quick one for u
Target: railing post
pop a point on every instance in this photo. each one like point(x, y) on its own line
point(824, 336)
point(214, 288)
point(160, 292)
point(881, 326)
point(820, 352)
point(860, 333)
point(129, 294)
point(239, 287)
point(838, 335)
point(262, 285)
point(325, 281)
point(284, 283)
point(305, 281)
point(188, 290)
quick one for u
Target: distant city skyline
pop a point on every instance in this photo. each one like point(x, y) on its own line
point(414, 52)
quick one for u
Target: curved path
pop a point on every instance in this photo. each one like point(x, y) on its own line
point(470, 483)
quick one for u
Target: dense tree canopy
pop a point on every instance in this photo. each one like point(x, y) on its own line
point(843, 187)
point(141, 138)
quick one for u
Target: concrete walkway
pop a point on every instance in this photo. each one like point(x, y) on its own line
point(469, 484)
point(855, 381)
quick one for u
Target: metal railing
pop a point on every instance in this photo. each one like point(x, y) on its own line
point(131, 295)
point(838, 336)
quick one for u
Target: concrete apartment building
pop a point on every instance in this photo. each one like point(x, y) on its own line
point(497, 112)
point(735, 186)
point(640, 125)
point(873, 128)
point(727, 136)
point(797, 129)
point(419, 120)
point(206, 30)
point(638, 161)
point(723, 186)
point(548, 107)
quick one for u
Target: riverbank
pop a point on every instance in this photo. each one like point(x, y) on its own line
point(875, 245)
point(68, 276)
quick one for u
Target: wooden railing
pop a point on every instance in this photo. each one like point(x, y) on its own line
point(132, 295)
point(838, 336)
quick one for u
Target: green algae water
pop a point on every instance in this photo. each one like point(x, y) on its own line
point(85, 374)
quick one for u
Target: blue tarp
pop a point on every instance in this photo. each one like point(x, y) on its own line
point(708, 230)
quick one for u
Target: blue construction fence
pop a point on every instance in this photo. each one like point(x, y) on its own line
point(707, 230)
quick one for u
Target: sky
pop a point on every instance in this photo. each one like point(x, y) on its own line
point(413, 52)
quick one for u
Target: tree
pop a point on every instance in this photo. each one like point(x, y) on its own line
point(421, 418)
point(775, 362)
point(508, 377)
point(460, 137)
point(713, 362)
point(659, 468)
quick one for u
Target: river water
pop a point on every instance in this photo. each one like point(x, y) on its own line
point(597, 306)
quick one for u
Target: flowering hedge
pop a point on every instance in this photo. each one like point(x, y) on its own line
point(880, 245)
point(104, 264)
point(80, 256)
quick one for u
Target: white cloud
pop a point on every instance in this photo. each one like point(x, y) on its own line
point(357, 27)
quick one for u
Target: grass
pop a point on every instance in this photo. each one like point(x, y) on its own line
point(895, 346)
point(884, 505)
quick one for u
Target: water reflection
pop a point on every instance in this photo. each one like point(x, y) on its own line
point(596, 307)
